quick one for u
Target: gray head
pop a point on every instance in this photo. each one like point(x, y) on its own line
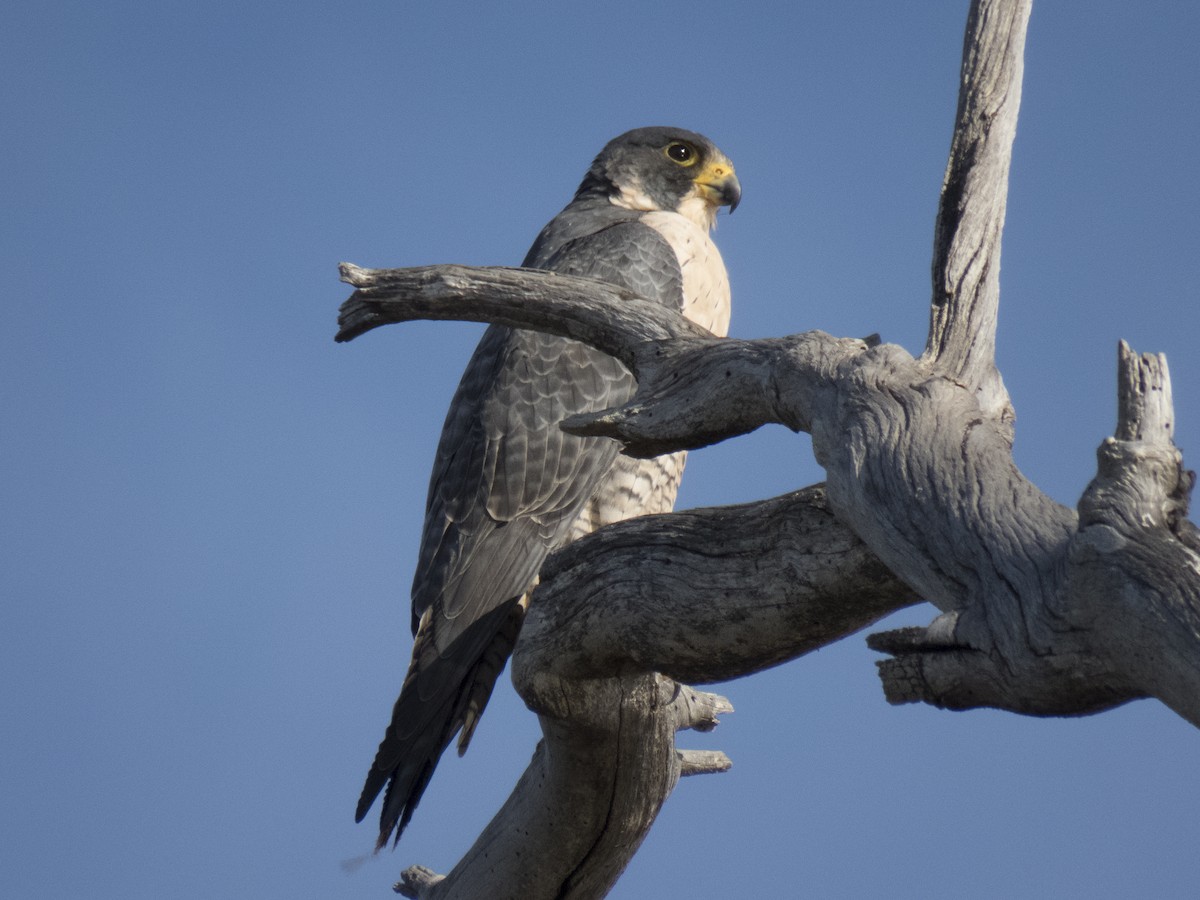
point(668, 169)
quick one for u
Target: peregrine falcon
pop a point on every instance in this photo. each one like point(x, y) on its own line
point(508, 485)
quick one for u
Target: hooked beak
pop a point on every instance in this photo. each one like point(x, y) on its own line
point(719, 184)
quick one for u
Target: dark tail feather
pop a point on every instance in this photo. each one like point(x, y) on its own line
point(434, 704)
point(487, 670)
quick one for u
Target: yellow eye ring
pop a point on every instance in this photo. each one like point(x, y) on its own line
point(680, 153)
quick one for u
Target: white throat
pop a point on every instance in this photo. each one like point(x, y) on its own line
point(694, 207)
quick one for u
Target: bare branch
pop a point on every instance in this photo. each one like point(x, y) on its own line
point(692, 393)
point(1043, 611)
point(1118, 610)
point(595, 312)
point(417, 882)
point(706, 595)
point(1135, 569)
point(694, 389)
point(588, 798)
point(711, 594)
point(703, 762)
point(970, 220)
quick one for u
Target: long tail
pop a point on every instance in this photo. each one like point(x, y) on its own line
point(440, 696)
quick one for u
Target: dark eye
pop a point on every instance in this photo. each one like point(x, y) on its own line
point(681, 153)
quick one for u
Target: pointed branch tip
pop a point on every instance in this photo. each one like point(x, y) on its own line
point(702, 762)
point(352, 274)
point(416, 882)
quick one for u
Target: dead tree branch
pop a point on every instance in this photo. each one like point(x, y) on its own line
point(1044, 611)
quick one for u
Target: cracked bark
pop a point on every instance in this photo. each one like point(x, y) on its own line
point(1044, 610)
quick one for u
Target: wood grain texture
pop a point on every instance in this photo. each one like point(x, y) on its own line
point(1044, 610)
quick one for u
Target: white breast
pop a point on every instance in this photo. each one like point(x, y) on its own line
point(705, 283)
point(636, 487)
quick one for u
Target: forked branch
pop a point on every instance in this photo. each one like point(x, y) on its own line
point(1043, 611)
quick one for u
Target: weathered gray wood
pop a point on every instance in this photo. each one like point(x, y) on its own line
point(970, 219)
point(1044, 610)
point(620, 619)
point(707, 595)
point(1123, 613)
point(702, 762)
point(1133, 583)
point(589, 795)
point(497, 294)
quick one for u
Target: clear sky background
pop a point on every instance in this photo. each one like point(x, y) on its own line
point(209, 511)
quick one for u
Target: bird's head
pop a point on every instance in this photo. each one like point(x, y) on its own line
point(668, 169)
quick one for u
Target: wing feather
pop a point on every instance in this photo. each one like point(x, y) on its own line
point(507, 485)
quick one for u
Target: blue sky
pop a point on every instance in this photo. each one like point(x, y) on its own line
point(209, 511)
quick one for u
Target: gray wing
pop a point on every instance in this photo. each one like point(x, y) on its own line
point(507, 484)
point(503, 461)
